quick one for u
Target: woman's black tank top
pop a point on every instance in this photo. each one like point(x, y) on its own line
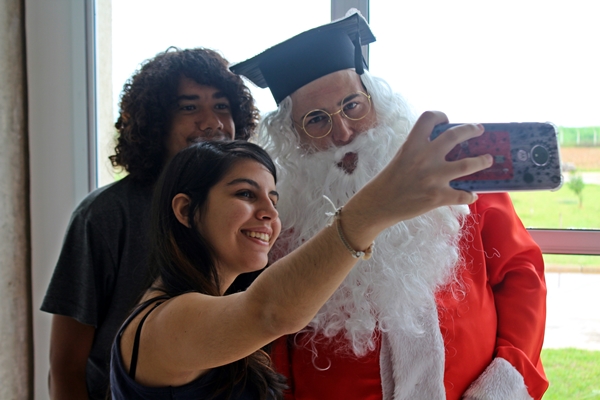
point(124, 387)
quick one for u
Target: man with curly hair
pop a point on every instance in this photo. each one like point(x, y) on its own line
point(177, 98)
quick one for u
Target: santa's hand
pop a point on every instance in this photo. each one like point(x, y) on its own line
point(426, 161)
point(418, 178)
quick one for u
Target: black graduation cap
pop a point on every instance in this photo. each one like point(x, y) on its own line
point(289, 65)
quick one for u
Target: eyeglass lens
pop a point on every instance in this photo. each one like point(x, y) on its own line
point(355, 106)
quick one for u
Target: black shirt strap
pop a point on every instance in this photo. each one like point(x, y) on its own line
point(138, 332)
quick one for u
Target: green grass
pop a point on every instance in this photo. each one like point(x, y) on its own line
point(560, 209)
point(573, 262)
point(573, 374)
point(587, 136)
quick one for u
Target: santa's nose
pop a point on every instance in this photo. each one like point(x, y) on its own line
point(341, 131)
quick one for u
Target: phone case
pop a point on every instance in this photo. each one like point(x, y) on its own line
point(526, 157)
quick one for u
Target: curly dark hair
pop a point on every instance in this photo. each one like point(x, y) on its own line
point(149, 95)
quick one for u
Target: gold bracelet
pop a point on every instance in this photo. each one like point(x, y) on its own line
point(366, 254)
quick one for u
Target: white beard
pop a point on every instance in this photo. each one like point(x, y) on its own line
point(396, 287)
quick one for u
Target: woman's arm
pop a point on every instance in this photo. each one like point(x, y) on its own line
point(194, 332)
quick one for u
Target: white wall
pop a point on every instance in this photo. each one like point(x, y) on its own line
point(56, 68)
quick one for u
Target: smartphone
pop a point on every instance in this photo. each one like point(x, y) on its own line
point(526, 157)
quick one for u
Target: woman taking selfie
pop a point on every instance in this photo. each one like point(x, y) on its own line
point(215, 217)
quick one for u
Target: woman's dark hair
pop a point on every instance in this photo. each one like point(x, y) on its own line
point(149, 96)
point(184, 260)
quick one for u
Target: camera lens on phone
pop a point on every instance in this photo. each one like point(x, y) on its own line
point(539, 155)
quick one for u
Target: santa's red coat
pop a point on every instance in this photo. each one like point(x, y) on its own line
point(503, 315)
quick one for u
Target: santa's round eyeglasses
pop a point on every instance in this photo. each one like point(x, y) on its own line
point(318, 123)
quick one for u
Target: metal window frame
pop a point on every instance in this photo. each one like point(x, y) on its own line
point(91, 82)
point(567, 241)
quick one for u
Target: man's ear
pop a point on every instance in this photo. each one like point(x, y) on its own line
point(181, 208)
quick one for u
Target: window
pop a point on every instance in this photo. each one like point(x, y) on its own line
point(130, 32)
point(505, 62)
point(476, 61)
point(515, 61)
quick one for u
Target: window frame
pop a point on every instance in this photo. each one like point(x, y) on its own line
point(567, 241)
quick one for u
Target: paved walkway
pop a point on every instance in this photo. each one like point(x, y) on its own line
point(573, 311)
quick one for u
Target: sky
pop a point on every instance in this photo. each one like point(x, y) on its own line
point(239, 29)
point(488, 61)
point(478, 61)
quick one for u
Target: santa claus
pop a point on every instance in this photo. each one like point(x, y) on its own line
point(451, 304)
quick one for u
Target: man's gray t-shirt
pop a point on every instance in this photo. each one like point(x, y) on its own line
point(102, 268)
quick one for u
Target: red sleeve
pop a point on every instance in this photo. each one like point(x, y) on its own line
point(515, 269)
point(280, 358)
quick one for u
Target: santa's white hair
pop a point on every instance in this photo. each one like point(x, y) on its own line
point(411, 260)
